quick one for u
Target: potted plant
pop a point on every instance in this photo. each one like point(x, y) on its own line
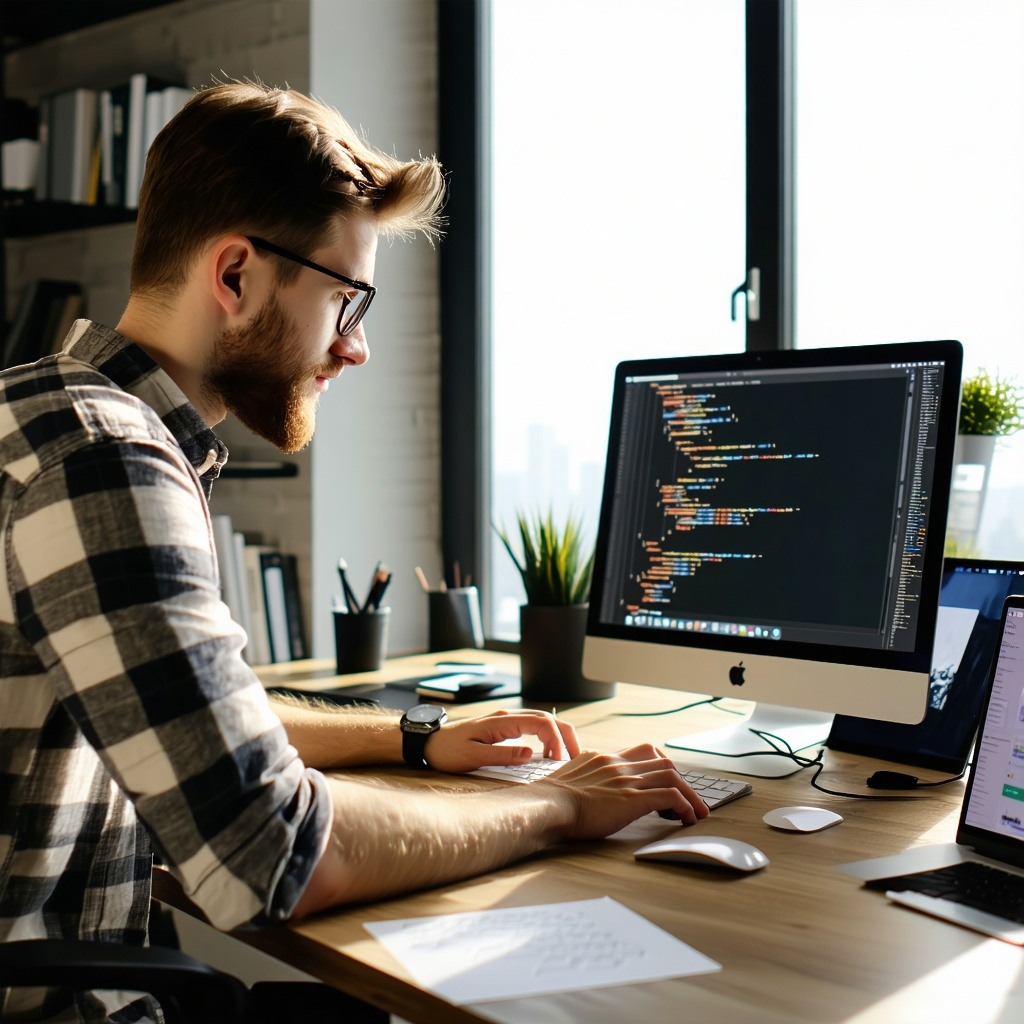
point(556, 566)
point(991, 407)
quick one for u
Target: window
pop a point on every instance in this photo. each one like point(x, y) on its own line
point(631, 161)
point(617, 229)
point(909, 206)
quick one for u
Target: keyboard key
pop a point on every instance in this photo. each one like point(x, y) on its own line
point(712, 789)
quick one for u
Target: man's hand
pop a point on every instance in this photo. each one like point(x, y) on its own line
point(467, 745)
point(609, 791)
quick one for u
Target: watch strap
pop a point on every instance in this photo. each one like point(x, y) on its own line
point(414, 748)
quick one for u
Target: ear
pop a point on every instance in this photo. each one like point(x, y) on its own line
point(238, 279)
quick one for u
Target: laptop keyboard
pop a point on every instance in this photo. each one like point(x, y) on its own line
point(712, 789)
point(968, 883)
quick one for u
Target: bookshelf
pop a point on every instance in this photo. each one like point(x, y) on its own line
point(369, 485)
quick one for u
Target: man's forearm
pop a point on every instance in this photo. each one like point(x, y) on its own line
point(385, 842)
point(339, 737)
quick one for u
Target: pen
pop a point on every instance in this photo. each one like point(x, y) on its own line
point(373, 583)
point(350, 598)
point(382, 577)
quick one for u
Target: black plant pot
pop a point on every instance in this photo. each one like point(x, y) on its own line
point(551, 655)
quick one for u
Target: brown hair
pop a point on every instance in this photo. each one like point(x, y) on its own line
point(244, 157)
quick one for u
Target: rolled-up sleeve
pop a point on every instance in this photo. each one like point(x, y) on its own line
point(113, 574)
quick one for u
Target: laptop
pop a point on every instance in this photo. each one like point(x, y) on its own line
point(970, 607)
point(984, 890)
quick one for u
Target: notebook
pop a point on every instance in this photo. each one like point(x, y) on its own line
point(984, 889)
point(970, 607)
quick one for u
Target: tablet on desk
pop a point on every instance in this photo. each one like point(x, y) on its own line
point(970, 606)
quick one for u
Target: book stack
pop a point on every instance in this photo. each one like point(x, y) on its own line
point(44, 315)
point(93, 143)
point(260, 586)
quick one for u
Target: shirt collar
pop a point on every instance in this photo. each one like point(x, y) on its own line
point(136, 372)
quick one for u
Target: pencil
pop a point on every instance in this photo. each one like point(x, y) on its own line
point(422, 577)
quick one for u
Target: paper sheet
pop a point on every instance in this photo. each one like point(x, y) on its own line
point(518, 952)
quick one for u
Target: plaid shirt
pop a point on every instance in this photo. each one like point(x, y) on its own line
point(128, 719)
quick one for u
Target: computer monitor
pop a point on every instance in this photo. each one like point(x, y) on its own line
point(772, 528)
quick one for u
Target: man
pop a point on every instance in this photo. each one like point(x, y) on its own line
point(130, 723)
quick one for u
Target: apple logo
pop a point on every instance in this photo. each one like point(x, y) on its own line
point(736, 674)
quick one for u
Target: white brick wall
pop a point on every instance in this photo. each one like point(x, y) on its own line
point(369, 487)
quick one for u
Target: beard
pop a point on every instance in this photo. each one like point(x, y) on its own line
point(258, 372)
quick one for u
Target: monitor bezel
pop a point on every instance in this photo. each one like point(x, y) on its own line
point(915, 661)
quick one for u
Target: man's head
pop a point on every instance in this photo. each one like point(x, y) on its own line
point(245, 187)
point(243, 157)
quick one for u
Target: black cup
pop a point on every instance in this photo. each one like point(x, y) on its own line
point(361, 641)
point(455, 620)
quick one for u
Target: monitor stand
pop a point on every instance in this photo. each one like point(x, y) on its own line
point(801, 729)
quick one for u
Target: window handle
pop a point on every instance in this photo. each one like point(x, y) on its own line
point(750, 289)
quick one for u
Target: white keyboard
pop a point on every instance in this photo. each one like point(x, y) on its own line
point(712, 789)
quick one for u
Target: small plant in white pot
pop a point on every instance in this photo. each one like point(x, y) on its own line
point(991, 407)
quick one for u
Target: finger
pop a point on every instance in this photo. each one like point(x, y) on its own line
point(642, 752)
point(654, 775)
point(551, 733)
point(509, 755)
point(669, 802)
point(568, 733)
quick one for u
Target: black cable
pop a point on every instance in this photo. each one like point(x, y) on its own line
point(777, 743)
point(880, 779)
point(672, 711)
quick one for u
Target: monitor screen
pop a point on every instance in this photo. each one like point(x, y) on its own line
point(772, 526)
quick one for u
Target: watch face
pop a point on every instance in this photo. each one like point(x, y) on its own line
point(425, 713)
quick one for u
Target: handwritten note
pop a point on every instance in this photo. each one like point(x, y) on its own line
point(517, 952)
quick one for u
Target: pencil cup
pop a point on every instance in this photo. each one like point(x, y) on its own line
point(361, 641)
point(455, 621)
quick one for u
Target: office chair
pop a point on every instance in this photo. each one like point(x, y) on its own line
point(189, 991)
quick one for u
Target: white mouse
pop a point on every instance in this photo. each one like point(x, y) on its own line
point(701, 849)
point(802, 819)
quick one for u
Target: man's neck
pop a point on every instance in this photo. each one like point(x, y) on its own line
point(174, 343)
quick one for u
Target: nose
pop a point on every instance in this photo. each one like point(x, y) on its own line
point(352, 347)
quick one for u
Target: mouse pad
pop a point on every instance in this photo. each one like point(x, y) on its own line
point(399, 694)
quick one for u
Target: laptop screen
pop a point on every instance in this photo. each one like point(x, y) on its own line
point(970, 607)
point(992, 820)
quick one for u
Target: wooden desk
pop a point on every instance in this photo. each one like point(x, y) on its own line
point(798, 941)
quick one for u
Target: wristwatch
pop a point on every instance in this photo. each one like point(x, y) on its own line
point(418, 725)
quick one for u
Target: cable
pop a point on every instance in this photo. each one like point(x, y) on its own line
point(900, 780)
point(782, 748)
point(672, 711)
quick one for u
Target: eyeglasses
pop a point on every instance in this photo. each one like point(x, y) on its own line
point(352, 309)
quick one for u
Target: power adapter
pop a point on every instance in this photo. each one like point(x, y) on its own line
point(893, 780)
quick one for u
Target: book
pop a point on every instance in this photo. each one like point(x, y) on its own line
point(293, 602)
point(284, 607)
point(63, 313)
point(140, 86)
point(72, 129)
point(259, 638)
point(174, 98)
point(43, 172)
point(42, 310)
point(230, 578)
point(238, 564)
point(117, 144)
point(277, 607)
